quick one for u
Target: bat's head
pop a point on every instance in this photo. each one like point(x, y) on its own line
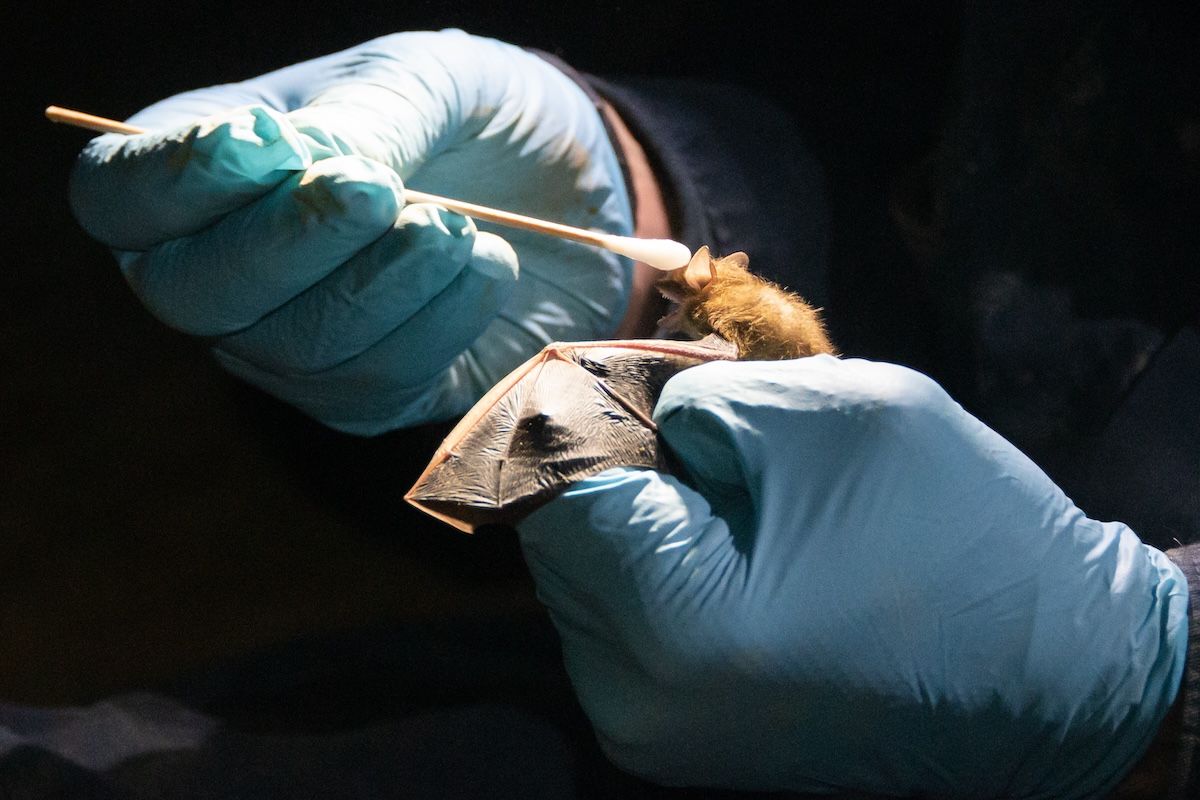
point(722, 296)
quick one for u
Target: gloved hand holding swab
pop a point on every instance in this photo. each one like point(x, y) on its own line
point(276, 217)
point(661, 254)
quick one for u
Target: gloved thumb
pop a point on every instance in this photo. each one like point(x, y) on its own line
point(133, 192)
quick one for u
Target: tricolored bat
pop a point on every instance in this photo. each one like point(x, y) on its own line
point(577, 409)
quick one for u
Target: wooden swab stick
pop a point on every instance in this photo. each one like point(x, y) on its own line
point(662, 254)
point(94, 123)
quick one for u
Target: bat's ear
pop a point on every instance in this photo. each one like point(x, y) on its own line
point(700, 270)
point(738, 259)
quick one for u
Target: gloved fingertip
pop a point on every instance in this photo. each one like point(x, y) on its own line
point(452, 223)
point(101, 148)
point(246, 143)
point(271, 126)
point(133, 192)
point(351, 194)
point(438, 229)
point(494, 258)
point(437, 235)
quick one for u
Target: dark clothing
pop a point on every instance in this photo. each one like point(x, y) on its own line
point(723, 187)
point(1185, 772)
point(735, 175)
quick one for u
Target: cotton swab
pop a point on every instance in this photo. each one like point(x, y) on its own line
point(662, 254)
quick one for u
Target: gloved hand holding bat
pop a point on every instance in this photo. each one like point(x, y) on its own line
point(855, 586)
point(276, 224)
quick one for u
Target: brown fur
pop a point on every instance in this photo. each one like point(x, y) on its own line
point(764, 321)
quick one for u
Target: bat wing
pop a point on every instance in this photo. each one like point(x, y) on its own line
point(571, 411)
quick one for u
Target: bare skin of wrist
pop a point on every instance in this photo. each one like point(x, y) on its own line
point(645, 303)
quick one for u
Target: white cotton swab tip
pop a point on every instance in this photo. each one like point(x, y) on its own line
point(662, 254)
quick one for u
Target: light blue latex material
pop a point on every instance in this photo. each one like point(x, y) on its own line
point(267, 214)
point(857, 586)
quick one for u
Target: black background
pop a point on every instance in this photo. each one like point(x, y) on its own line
point(156, 516)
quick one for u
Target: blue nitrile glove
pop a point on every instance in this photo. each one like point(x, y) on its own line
point(271, 224)
point(858, 586)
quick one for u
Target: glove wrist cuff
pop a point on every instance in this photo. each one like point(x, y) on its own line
point(599, 104)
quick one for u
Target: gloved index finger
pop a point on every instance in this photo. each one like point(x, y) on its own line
point(135, 191)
